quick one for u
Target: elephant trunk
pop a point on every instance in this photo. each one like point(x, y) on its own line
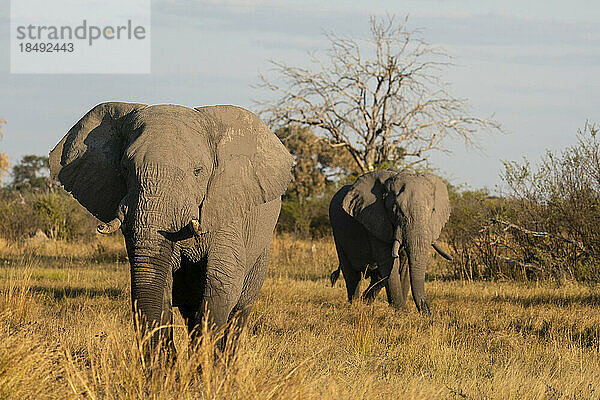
point(152, 258)
point(151, 284)
point(417, 250)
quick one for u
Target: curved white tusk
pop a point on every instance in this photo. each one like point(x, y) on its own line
point(396, 249)
point(441, 252)
point(398, 242)
point(110, 227)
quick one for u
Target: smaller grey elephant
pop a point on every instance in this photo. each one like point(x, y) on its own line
point(383, 226)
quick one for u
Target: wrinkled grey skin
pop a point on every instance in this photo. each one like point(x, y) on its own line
point(383, 226)
point(196, 193)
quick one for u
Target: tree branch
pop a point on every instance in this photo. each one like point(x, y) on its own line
point(384, 107)
point(577, 244)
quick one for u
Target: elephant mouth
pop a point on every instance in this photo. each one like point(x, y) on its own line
point(192, 229)
point(399, 244)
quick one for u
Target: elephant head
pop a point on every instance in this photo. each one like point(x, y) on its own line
point(405, 210)
point(166, 173)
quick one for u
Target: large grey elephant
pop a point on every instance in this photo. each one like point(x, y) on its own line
point(196, 193)
point(383, 226)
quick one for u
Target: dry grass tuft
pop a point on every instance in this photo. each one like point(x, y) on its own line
point(66, 332)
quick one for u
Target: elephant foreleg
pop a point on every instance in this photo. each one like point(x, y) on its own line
point(404, 285)
point(223, 286)
point(250, 290)
point(352, 279)
point(166, 319)
point(405, 277)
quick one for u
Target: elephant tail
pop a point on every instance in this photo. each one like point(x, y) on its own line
point(334, 276)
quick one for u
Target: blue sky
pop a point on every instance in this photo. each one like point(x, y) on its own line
point(535, 66)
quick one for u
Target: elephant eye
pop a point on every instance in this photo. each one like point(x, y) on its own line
point(198, 171)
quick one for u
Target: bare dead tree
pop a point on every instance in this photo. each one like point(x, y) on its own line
point(380, 98)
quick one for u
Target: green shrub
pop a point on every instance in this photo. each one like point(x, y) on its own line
point(56, 213)
point(306, 218)
point(62, 217)
point(561, 197)
point(471, 211)
point(547, 224)
point(17, 218)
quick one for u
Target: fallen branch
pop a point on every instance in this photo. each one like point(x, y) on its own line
point(520, 263)
point(577, 244)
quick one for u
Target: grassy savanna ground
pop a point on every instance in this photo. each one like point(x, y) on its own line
point(66, 332)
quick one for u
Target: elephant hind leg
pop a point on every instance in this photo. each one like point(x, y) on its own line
point(352, 276)
point(352, 279)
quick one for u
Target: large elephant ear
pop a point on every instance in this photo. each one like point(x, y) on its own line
point(441, 204)
point(365, 202)
point(87, 160)
point(252, 166)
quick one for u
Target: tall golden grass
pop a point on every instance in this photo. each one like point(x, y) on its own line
point(66, 332)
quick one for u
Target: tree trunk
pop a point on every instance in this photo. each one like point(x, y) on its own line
point(370, 156)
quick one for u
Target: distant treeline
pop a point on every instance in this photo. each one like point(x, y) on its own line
point(544, 224)
point(31, 202)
